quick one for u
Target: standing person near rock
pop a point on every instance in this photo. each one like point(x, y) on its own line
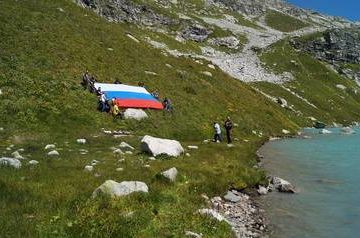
point(217, 129)
point(102, 102)
point(228, 127)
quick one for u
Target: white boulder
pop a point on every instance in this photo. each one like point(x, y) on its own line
point(324, 131)
point(212, 213)
point(193, 147)
point(17, 155)
point(89, 168)
point(53, 153)
point(262, 190)
point(282, 185)
point(136, 114)
point(33, 162)
point(118, 151)
point(286, 132)
point(157, 146)
point(81, 141)
point(125, 145)
point(50, 147)
point(340, 86)
point(347, 130)
point(232, 197)
point(11, 162)
point(115, 189)
point(170, 174)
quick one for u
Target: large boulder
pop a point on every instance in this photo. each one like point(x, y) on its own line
point(136, 114)
point(115, 189)
point(11, 162)
point(170, 174)
point(282, 185)
point(347, 130)
point(196, 33)
point(17, 155)
point(157, 146)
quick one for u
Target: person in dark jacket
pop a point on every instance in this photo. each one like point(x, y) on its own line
point(228, 127)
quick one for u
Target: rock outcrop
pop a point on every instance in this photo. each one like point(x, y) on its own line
point(157, 146)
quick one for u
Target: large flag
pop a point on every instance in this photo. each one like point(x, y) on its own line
point(129, 96)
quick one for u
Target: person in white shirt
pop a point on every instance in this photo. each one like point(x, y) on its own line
point(217, 129)
point(102, 101)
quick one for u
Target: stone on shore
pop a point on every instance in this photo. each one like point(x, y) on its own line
point(282, 185)
point(136, 114)
point(212, 213)
point(347, 130)
point(262, 190)
point(324, 131)
point(231, 197)
point(157, 146)
point(170, 174)
point(115, 189)
point(53, 153)
point(10, 162)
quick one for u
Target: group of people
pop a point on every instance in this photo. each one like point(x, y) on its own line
point(228, 125)
point(110, 106)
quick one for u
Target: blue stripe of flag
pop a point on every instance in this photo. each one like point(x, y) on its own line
point(128, 95)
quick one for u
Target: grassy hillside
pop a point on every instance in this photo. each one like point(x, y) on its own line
point(282, 22)
point(45, 46)
point(314, 82)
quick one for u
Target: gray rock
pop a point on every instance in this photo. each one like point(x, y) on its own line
point(170, 174)
point(115, 189)
point(196, 33)
point(193, 234)
point(212, 213)
point(125, 145)
point(10, 162)
point(89, 168)
point(156, 146)
point(262, 190)
point(118, 152)
point(193, 147)
point(53, 153)
point(136, 114)
point(231, 197)
point(33, 162)
point(81, 141)
point(50, 147)
point(119, 169)
point(282, 185)
point(17, 155)
point(347, 130)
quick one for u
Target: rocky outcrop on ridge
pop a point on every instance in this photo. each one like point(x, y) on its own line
point(337, 47)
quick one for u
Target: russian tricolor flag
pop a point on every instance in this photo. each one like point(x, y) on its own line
point(129, 96)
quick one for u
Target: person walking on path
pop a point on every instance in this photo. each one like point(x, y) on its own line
point(217, 129)
point(228, 127)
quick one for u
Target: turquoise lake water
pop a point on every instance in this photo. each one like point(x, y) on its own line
point(326, 171)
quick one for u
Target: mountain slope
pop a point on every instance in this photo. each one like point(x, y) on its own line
point(46, 46)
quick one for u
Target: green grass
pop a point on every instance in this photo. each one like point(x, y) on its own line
point(315, 82)
point(282, 22)
point(43, 54)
